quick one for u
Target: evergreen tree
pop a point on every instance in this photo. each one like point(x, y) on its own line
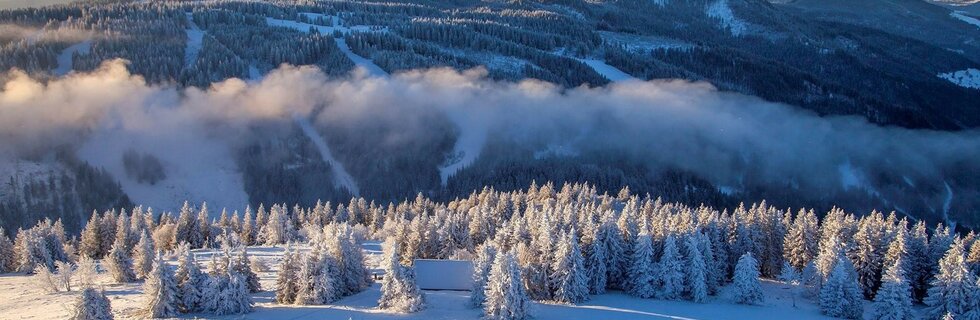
point(840, 295)
point(191, 281)
point(481, 272)
point(287, 283)
point(670, 271)
point(596, 264)
point(7, 255)
point(399, 292)
point(243, 266)
point(234, 298)
point(160, 291)
point(747, 289)
point(954, 289)
point(92, 304)
point(894, 299)
point(119, 264)
point(506, 295)
point(143, 255)
point(642, 275)
point(91, 243)
point(568, 271)
point(696, 271)
point(919, 270)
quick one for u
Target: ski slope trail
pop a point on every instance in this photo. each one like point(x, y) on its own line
point(65, 61)
point(340, 175)
point(608, 71)
point(195, 40)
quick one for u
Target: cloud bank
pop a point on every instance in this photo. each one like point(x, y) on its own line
point(729, 139)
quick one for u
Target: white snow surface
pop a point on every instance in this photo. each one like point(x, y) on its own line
point(721, 11)
point(209, 174)
point(195, 40)
point(21, 299)
point(960, 15)
point(969, 78)
point(610, 72)
point(365, 63)
point(340, 175)
point(65, 62)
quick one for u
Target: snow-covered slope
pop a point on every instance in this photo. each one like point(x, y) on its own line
point(960, 15)
point(610, 72)
point(195, 40)
point(969, 78)
point(360, 61)
point(340, 175)
point(721, 11)
point(65, 62)
point(209, 174)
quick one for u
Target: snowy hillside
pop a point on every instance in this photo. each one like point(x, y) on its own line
point(969, 78)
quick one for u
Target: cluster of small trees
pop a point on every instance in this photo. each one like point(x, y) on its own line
point(332, 269)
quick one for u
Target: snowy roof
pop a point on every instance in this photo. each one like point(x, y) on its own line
point(444, 274)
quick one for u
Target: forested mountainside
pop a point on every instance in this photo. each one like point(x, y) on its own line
point(889, 102)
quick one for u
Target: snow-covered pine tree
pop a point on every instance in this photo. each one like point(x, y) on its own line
point(618, 259)
point(91, 242)
point(894, 299)
point(119, 264)
point(234, 297)
point(596, 262)
point(87, 271)
point(568, 276)
point(505, 292)
point(840, 295)
point(831, 251)
point(747, 289)
point(670, 271)
point(191, 281)
point(7, 255)
point(318, 279)
point(92, 304)
point(243, 266)
point(642, 275)
point(143, 255)
point(898, 250)
point(954, 289)
point(972, 259)
point(248, 230)
point(868, 253)
point(160, 291)
point(481, 272)
point(695, 281)
point(919, 272)
point(286, 279)
point(399, 292)
point(800, 242)
point(788, 274)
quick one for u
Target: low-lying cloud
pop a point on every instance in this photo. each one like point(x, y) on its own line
point(727, 138)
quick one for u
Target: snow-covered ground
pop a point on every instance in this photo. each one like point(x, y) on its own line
point(209, 174)
point(965, 18)
point(20, 299)
point(969, 78)
point(195, 40)
point(610, 72)
point(65, 62)
point(367, 64)
point(340, 175)
point(721, 11)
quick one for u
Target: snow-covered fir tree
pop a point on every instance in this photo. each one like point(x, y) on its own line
point(233, 296)
point(840, 295)
point(119, 264)
point(191, 281)
point(670, 271)
point(746, 287)
point(160, 291)
point(642, 277)
point(92, 304)
point(893, 300)
point(481, 272)
point(399, 292)
point(318, 279)
point(596, 260)
point(287, 282)
point(954, 289)
point(507, 298)
point(695, 280)
point(7, 256)
point(143, 255)
point(243, 266)
point(568, 276)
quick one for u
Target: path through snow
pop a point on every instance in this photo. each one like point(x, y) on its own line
point(610, 72)
point(340, 175)
point(960, 15)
